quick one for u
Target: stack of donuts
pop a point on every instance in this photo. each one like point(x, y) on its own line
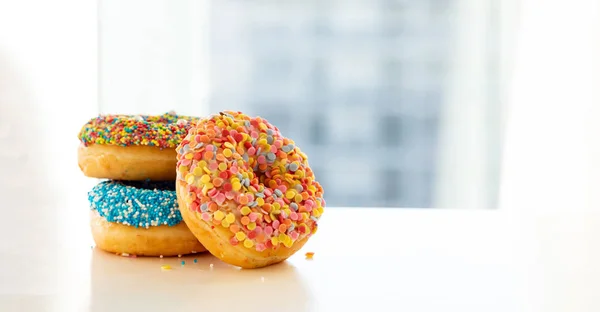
point(229, 183)
point(134, 208)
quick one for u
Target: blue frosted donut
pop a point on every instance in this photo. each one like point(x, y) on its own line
point(136, 203)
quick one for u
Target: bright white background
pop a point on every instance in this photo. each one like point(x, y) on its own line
point(552, 152)
point(48, 70)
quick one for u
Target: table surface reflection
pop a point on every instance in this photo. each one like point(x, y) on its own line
point(365, 258)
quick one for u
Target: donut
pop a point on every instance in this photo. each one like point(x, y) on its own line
point(130, 147)
point(245, 191)
point(139, 218)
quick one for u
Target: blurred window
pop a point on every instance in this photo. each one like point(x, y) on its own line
point(376, 92)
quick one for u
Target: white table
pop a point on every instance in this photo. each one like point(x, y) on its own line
point(365, 259)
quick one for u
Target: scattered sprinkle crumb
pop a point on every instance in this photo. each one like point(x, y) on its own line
point(211, 265)
point(179, 256)
point(166, 267)
point(309, 255)
point(182, 262)
point(195, 260)
point(161, 256)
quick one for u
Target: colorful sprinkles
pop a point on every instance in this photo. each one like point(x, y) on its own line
point(243, 175)
point(309, 255)
point(164, 131)
point(136, 203)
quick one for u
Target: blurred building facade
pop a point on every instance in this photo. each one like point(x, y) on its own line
point(357, 84)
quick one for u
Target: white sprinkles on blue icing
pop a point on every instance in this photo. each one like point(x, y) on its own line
point(136, 203)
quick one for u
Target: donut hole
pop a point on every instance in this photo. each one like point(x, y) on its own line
point(169, 118)
point(282, 181)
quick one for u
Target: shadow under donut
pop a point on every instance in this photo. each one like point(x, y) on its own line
point(202, 282)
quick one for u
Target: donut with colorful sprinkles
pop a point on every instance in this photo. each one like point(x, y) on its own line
point(132, 147)
point(139, 218)
point(245, 191)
